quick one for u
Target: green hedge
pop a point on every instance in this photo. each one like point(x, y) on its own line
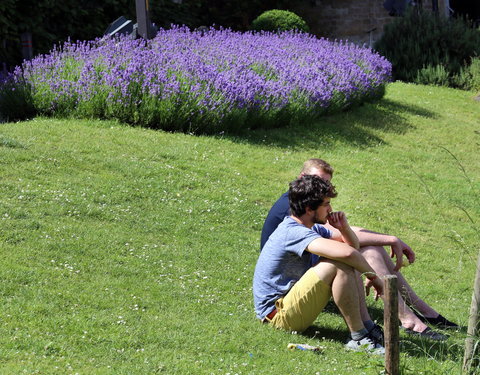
point(425, 47)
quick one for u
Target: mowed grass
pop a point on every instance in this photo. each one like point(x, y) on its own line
point(131, 251)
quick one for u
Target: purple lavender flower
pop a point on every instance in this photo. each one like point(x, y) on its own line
point(183, 80)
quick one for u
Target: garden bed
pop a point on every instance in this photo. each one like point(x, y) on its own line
point(204, 82)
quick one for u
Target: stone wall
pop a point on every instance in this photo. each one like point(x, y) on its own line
point(359, 21)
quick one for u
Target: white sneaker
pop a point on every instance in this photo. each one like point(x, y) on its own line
point(367, 344)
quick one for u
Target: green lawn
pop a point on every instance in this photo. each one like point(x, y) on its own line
point(131, 251)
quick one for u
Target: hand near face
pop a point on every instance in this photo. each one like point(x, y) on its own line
point(338, 220)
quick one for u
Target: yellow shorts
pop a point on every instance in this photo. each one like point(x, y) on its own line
point(302, 304)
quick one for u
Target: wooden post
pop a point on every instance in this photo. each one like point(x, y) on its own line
point(143, 19)
point(390, 320)
point(27, 48)
point(471, 360)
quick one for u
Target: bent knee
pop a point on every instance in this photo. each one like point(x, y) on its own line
point(372, 250)
point(374, 253)
point(333, 266)
point(378, 258)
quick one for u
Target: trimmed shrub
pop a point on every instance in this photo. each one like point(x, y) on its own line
point(474, 75)
point(469, 77)
point(433, 75)
point(279, 20)
point(423, 46)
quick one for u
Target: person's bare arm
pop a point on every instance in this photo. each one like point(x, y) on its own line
point(344, 253)
point(398, 247)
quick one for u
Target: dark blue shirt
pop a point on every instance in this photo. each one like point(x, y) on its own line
point(275, 216)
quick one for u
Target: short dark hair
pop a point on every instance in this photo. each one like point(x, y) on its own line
point(309, 191)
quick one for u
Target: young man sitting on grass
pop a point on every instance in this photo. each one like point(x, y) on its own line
point(289, 293)
point(371, 246)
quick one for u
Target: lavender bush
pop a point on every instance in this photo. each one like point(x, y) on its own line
point(208, 82)
point(15, 98)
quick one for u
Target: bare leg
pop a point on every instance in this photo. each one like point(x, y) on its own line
point(342, 278)
point(409, 295)
point(413, 300)
point(379, 260)
point(362, 303)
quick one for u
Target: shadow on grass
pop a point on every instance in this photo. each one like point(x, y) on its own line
point(358, 126)
point(438, 350)
point(340, 335)
point(412, 346)
point(326, 333)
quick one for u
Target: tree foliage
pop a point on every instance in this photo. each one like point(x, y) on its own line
point(54, 21)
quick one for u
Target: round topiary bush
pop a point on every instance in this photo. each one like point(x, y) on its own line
point(279, 20)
